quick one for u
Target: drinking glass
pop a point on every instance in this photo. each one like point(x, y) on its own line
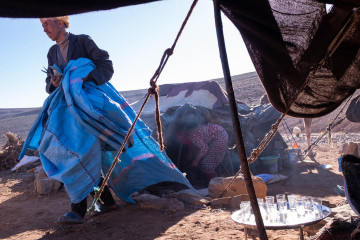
point(280, 197)
point(245, 210)
point(307, 205)
point(264, 213)
point(292, 202)
point(282, 209)
point(317, 206)
point(269, 200)
point(300, 208)
point(272, 209)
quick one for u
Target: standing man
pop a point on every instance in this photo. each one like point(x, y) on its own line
point(71, 47)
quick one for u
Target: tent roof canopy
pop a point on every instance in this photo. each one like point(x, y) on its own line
point(46, 8)
point(285, 40)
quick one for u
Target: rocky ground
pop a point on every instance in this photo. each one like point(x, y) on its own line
point(26, 215)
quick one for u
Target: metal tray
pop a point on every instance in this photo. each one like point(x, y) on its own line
point(276, 226)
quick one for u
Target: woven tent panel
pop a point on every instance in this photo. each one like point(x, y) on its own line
point(286, 40)
point(297, 21)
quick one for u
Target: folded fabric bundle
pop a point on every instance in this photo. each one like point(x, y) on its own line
point(79, 130)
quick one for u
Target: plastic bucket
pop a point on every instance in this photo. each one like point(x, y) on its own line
point(293, 154)
point(270, 163)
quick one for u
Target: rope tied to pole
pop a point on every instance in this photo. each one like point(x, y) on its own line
point(330, 51)
point(153, 90)
point(328, 128)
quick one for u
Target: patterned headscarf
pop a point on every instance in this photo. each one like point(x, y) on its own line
point(64, 19)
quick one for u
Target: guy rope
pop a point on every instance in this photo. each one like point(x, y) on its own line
point(236, 123)
point(330, 51)
point(331, 125)
point(153, 90)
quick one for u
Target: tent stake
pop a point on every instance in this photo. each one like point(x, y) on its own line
point(236, 123)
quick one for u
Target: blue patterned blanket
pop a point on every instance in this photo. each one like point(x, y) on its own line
point(79, 130)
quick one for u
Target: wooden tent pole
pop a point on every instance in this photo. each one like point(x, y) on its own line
point(236, 123)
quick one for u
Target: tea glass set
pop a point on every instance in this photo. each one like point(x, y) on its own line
point(292, 211)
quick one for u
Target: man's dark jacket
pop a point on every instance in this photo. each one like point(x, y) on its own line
point(82, 46)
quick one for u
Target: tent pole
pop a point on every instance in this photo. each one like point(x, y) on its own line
point(236, 123)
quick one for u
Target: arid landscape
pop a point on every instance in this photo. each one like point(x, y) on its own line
point(26, 215)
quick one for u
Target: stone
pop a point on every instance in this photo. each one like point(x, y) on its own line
point(188, 196)
point(343, 213)
point(43, 184)
point(171, 204)
point(328, 204)
point(238, 187)
point(208, 198)
point(198, 202)
point(40, 173)
point(236, 200)
point(225, 202)
point(46, 185)
point(204, 192)
point(145, 198)
point(220, 202)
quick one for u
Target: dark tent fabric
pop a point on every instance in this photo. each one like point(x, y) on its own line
point(46, 8)
point(287, 39)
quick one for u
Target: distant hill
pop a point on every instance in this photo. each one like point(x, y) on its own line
point(247, 87)
point(17, 120)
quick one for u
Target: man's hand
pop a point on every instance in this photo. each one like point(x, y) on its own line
point(55, 80)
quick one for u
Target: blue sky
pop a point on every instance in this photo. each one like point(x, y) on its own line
point(135, 38)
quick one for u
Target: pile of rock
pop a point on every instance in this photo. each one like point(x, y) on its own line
point(205, 197)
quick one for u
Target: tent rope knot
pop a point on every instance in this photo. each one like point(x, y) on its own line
point(154, 90)
point(169, 51)
point(346, 27)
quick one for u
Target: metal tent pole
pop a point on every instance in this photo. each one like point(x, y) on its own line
point(236, 123)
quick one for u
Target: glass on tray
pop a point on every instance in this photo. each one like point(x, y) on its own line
point(280, 197)
point(317, 206)
point(301, 209)
point(292, 202)
point(272, 210)
point(245, 210)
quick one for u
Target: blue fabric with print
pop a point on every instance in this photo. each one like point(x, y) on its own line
point(75, 123)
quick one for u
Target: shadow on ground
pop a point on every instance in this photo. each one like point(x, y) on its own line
point(25, 215)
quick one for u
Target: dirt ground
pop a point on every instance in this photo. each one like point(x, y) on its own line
point(26, 215)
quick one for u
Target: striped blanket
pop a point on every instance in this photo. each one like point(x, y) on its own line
point(78, 131)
